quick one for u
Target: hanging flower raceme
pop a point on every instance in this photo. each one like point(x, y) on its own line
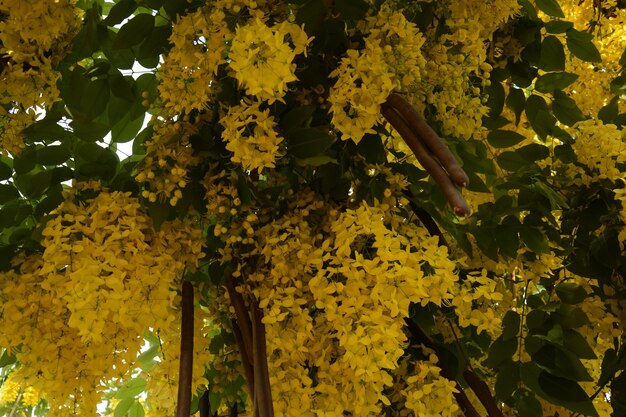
point(262, 57)
point(364, 81)
point(250, 135)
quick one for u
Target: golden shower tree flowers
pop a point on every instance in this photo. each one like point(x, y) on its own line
point(262, 58)
point(250, 135)
point(364, 81)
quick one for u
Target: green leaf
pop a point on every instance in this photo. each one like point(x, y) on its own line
point(52, 155)
point(566, 110)
point(516, 101)
point(134, 31)
point(136, 410)
point(527, 404)
point(7, 359)
point(534, 239)
point(296, 118)
point(571, 317)
point(511, 161)
point(577, 344)
point(570, 292)
point(511, 324)
point(351, 10)
point(316, 161)
point(550, 7)
point(126, 129)
point(155, 44)
point(507, 380)
point(501, 351)
point(5, 171)
point(495, 100)
point(7, 193)
point(120, 11)
point(539, 115)
point(310, 141)
point(618, 85)
point(507, 240)
point(558, 26)
point(609, 112)
point(609, 366)
point(567, 393)
point(121, 410)
point(547, 83)
point(581, 46)
point(504, 138)
point(552, 54)
point(131, 388)
point(93, 161)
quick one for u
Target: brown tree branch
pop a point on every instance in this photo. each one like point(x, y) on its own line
point(243, 318)
point(263, 392)
point(429, 138)
point(186, 352)
point(247, 365)
point(483, 393)
point(451, 193)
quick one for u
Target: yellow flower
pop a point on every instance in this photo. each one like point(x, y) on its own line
point(262, 59)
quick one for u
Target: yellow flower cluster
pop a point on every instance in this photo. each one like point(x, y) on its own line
point(199, 42)
point(599, 148)
point(250, 135)
point(167, 162)
point(476, 303)
point(364, 81)
point(428, 394)
point(261, 57)
point(34, 36)
point(75, 315)
point(401, 43)
point(335, 286)
point(12, 392)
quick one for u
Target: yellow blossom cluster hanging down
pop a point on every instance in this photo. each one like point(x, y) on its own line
point(301, 168)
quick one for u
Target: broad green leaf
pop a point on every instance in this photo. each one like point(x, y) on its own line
point(351, 9)
point(558, 26)
point(571, 317)
point(550, 7)
point(567, 393)
point(131, 388)
point(516, 101)
point(547, 83)
point(126, 129)
point(577, 344)
point(534, 240)
point(93, 161)
point(565, 109)
point(552, 54)
point(120, 11)
point(609, 112)
point(309, 141)
point(511, 324)
point(581, 46)
point(495, 100)
point(7, 358)
point(501, 351)
point(508, 242)
point(609, 366)
point(507, 380)
point(539, 115)
point(52, 155)
point(571, 292)
point(121, 410)
point(316, 161)
point(5, 171)
point(618, 85)
point(504, 138)
point(296, 118)
point(511, 161)
point(136, 410)
point(526, 404)
point(134, 31)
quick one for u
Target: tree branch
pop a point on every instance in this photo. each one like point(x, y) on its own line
point(186, 352)
point(263, 392)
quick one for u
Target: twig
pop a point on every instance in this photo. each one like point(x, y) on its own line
point(186, 352)
point(452, 194)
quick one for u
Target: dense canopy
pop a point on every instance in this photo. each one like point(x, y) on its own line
point(317, 208)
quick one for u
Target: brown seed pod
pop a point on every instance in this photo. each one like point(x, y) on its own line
point(429, 137)
point(451, 193)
